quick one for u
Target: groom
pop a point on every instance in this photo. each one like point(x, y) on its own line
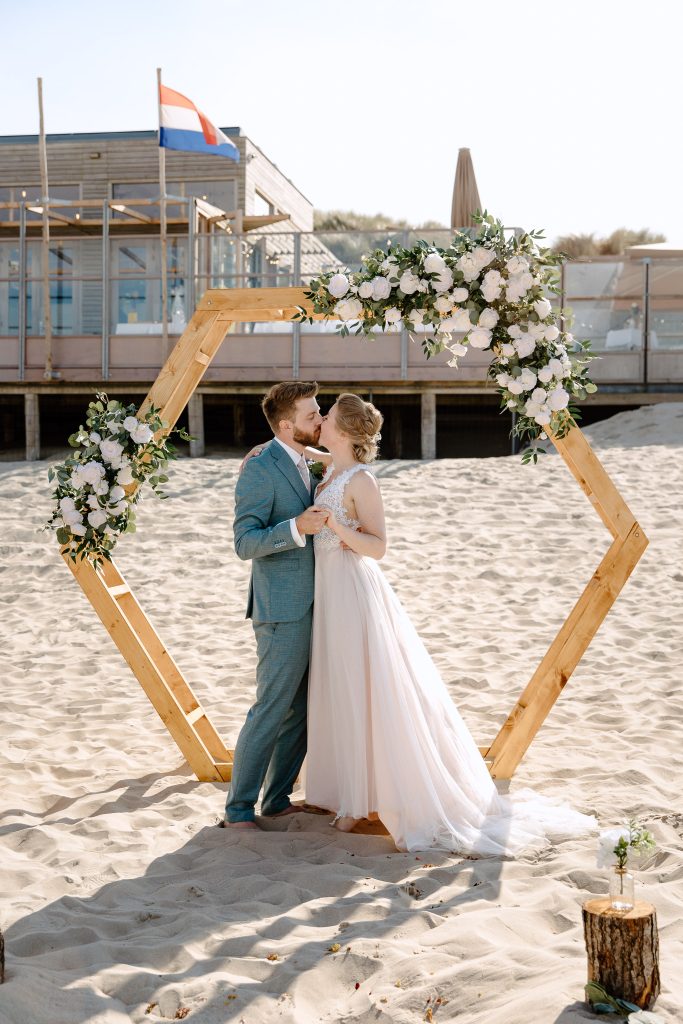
point(273, 516)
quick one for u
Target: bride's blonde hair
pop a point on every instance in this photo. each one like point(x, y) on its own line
point(361, 422)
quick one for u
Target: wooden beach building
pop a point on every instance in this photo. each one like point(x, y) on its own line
point(247, 225)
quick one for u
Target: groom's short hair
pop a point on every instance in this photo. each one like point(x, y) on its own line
point(280, 402)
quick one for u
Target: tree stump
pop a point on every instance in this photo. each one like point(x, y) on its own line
point(623, 950)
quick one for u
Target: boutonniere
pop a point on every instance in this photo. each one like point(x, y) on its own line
point(316, 469)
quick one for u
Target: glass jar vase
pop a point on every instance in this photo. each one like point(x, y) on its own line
point(621, 889)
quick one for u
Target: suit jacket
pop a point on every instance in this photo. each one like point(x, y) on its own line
point(268, 494)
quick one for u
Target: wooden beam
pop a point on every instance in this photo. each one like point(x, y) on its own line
point(195, 412)
point(32, 422)
point(126, 210)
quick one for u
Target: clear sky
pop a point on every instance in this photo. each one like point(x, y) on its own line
point(572, 110)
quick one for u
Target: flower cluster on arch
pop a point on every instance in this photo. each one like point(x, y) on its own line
point(98, 485)
point(488, 290)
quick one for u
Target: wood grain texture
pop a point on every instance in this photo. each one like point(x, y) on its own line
point(623, 950)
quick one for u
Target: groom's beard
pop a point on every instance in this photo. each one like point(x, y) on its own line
point(305, 439)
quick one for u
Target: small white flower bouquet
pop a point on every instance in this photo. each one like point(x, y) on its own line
point(617, 845)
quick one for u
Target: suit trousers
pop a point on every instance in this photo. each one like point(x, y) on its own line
point(272, 742)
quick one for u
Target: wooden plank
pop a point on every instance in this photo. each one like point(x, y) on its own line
point(216, 299)
point(595, 482)
point(195, 715)
point(119, 589)
point(564, 653)
point(146, 667)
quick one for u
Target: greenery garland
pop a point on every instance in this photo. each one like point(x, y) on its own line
point(490, 290)
point(99, 485)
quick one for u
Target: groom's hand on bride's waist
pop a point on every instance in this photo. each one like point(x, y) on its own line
point(312, 520)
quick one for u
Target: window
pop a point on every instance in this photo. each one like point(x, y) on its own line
point(31, 194)
point(219, 193)
point(262, 207)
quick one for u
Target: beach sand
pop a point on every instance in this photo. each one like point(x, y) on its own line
point(121, 900)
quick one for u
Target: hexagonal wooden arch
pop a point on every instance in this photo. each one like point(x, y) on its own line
point(180, 709)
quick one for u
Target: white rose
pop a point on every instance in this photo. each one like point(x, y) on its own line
point(468, 267)
point(528, 379)
point(515, 387)
point(111, 451)
point(365, 290)
point(95, 437)
point(443, 304)
point(92, 472)
point(551, 333)
point(97, 518)
point(482, 257)
point(480, 338)
point(125, 475)
point(543, 308)
point(443, 282)
point(532, 408)
point(77, 529)
point(503, 379)
point(460, 295)
point(542, 418)
point(488, 318)
point(539, 395)
point(515, 331)
point(511, 403)
point(434, 263)
point(92, 501)
point(461, 320)
point(118, 510)
point(457, 349)
point(130, 423)
point(517, 265)
point(338, 286)
point(116, 494)
point(566, 368)
point(545, 375)
point(416, 317)
point(555, 367)
point(381, 289)
point(507, 349)
point(67, 504)
point(142, 434)
point(558, 399)
point(102, 487)
point(392, 315)
point(72, 517)
point(409, 282)
point(536, 330)
point(525, 346)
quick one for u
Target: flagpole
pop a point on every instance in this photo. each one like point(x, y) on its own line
point(163, 231)
point(47, 319)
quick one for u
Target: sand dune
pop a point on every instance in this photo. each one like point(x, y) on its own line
point(119, 894)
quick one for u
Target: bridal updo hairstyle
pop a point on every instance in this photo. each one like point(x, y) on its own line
point(361, 422)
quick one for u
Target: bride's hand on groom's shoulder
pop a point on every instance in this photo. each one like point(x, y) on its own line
point(256, 450)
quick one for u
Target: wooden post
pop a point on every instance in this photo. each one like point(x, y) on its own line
point(238, 423)
point(428, 404)
point(195, 414)
point(163, 231)
point(45, 248)
point(32, 420)
point(623, 950)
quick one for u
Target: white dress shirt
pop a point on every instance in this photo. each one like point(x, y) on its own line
point(296, 458)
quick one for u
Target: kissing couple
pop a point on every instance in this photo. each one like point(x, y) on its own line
point(342, 678)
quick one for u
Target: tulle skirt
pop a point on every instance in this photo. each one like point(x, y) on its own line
point(385, 737)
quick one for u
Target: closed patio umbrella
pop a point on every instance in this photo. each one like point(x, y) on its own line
point(466, 199)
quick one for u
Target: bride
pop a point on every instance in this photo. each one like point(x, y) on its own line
point(384, 737)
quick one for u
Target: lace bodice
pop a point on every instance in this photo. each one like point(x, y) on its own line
point(332, 497)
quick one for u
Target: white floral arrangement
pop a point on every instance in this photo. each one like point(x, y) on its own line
point(490, 291)
point(616, 845)
point(99, 485)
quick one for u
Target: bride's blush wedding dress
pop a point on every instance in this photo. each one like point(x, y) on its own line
point(384, 735)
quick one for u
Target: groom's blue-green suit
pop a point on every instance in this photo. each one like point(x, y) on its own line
point(272, 744)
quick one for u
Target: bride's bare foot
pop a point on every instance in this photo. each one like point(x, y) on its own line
point(345, 824)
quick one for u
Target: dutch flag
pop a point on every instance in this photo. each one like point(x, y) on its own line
point(184, 127)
